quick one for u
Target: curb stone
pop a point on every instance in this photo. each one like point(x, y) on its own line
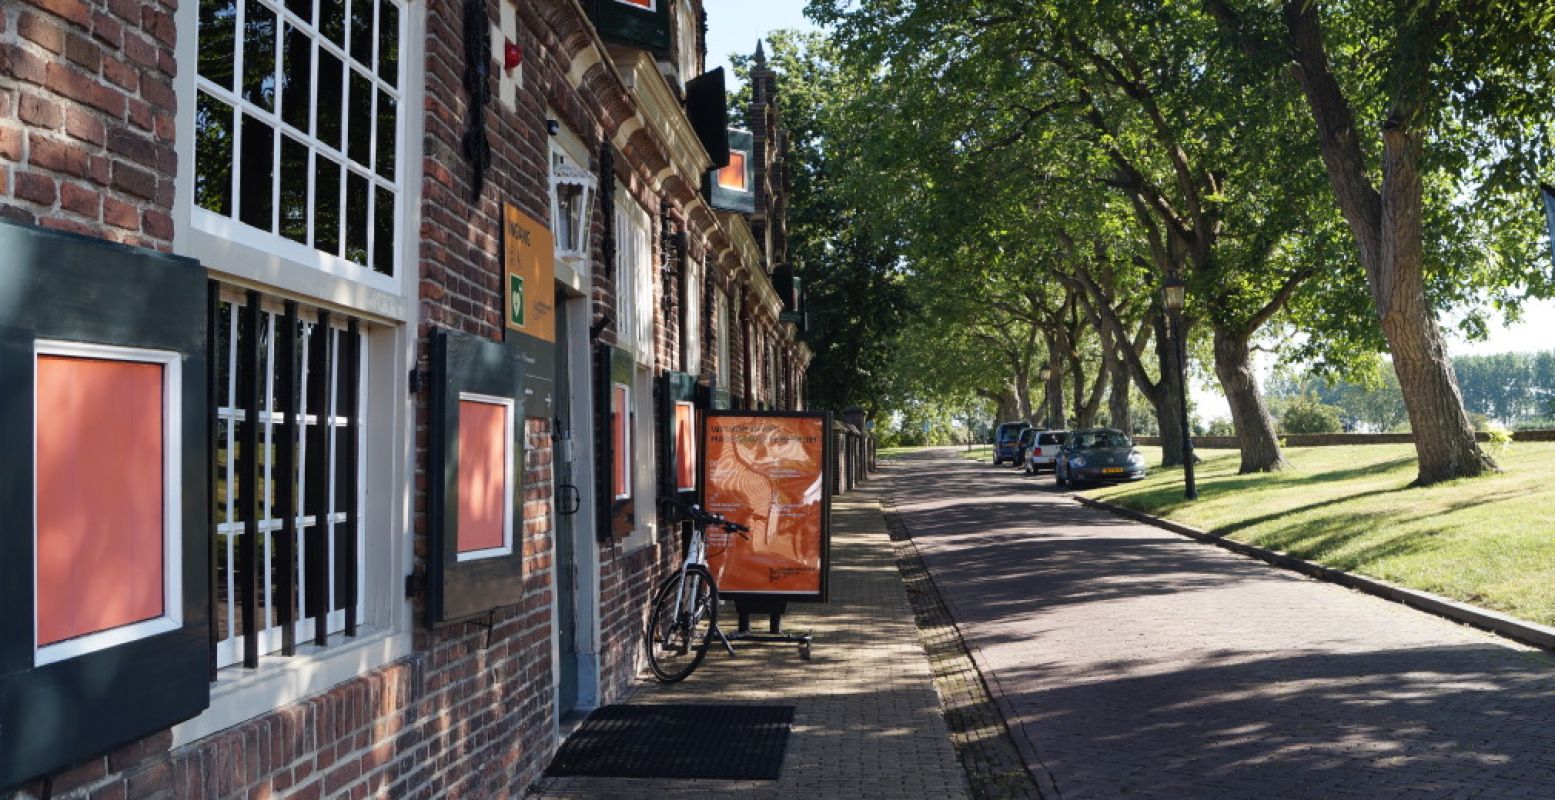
point(995, 766)
point(1483, 618)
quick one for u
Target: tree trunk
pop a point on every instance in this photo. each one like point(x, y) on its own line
point(1009, 408)
point(1022, 393)
point(1055, 386)
point(1118, 402)
point(1254, 429)
point(1086, 412)
point(1388, 233)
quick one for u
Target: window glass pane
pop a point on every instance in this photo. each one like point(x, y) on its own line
point(326, 206)
point(218, 40)
point(259, 55)
point(332, 20)
point(385, 125)
point(302, 8)
point(383, 231)
point(329, 104)
point(213, 155)
point(258, 173)
point(389, 42)
point(294, 190)
point(297, 77)
point(733, 176)
point(356, 218)
point(360, 120)
point(223, 587)
point(362, 31)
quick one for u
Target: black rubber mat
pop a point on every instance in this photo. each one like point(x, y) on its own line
point(729, 742)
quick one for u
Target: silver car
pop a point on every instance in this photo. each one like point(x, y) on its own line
point(1043, 451)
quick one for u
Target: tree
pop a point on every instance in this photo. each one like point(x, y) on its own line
point(855, 295)
point(1459, 93)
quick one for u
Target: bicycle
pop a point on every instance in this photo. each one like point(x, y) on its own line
point(684, 618)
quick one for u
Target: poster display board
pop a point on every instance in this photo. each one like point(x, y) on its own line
point(770, 471)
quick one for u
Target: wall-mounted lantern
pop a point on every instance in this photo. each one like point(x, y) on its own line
point(572, 208)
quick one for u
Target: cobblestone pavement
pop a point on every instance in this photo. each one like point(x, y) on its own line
point(867, 722)
point(1135, 663)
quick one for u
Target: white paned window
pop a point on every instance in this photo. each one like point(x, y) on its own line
point(321, 404)
point(633, 276)
point(691, 330)
point(721, 321)
point(686, 40)
point(298, 135)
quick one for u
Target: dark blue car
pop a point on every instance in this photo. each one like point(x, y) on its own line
point(1006, 442)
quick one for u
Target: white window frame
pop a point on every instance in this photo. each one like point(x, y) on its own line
point(233, 229)
point(691, 330)
point(686, 40)
point(172, 518)
point(389, 349)
point(721, 311)
point(634, 276)
point(508, 406)
point(248, 255)
point(643, 463)
point(230, 651)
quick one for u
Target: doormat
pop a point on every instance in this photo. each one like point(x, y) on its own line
point(711, 742)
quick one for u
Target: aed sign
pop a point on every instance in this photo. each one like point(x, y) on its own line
point(769, 471)
point(529, 270)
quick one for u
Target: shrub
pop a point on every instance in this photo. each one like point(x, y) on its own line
point(1308, 415)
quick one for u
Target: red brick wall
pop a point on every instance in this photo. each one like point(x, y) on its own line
point(456, 719)
point(86, 117)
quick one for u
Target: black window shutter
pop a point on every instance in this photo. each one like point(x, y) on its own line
point(613, 366)
point(630, 24)
point(463, 363)
point(707, 104)
point(71, 288)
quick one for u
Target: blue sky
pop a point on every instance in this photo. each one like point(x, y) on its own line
point(733, 26)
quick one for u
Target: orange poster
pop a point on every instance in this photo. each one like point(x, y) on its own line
point(768, 472)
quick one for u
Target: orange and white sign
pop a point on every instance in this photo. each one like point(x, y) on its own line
point(768, 472)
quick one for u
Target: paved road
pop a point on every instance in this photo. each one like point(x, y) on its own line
point(1135, 663)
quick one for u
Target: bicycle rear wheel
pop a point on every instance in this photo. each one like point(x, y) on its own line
point(678, 641)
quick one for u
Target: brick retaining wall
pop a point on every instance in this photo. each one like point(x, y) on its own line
point(1335, 439)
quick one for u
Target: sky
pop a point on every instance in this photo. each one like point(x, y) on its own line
point(733, 26)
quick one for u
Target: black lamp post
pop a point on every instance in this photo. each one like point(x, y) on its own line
point(1175, 290)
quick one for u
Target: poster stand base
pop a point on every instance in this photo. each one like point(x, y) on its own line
point(774, 609)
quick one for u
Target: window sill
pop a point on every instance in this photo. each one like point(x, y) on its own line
point(239, 694)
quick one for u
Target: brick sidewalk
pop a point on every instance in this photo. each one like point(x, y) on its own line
point(867, 723)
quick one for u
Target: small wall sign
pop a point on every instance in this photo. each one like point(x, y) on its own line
point(529, 262)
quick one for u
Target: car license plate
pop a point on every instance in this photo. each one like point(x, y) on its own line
point(1112, 470)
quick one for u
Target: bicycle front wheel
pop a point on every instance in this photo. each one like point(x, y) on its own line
point(680, 627)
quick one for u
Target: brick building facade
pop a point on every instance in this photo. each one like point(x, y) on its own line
point(344, 184)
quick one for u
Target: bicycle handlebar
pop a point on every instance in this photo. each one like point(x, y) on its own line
point(706, 518)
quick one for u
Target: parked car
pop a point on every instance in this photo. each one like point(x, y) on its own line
point(1097, 455)
point(1005, 440)
point(1028, 437)
point(1043, 451)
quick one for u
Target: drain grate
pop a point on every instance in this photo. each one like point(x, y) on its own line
point(722, 742)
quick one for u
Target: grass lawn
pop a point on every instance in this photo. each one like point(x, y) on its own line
point(1488, 541)
point(979, 452)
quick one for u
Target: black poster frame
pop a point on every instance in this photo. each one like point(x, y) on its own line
point(64, 287)
point(458, 590)
point(828, 470)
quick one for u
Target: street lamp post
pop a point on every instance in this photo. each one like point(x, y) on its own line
point(1175, 290)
